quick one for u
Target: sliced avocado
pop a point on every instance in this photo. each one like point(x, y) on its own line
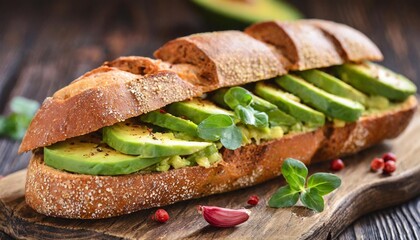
point(205, 157)
point(169, 121)
point(331, 105)
point(179, 162)
point(219, 97)
point(197, 110)
point(275, 116)
point(376, 80)
point(247, 12)
point(377, 102)
point(132, 138)
point(86, 155)
point(290, 104)
point(257, 134)
point(333, 85)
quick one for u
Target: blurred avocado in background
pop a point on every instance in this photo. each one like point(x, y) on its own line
point(237, 14)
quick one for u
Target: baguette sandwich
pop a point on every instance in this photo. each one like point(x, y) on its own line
point(214, 112)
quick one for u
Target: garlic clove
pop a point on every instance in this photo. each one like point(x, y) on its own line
point(224, 217)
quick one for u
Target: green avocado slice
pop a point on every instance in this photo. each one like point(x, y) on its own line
point(132, 138)
point(331, 105)
point(290, 104)
point(86, 155)
point(197, 110)
point(169, 121)
point(275, 116)
point(333, 85)
point(250, 11)
point(205, 157)
point(374, 79)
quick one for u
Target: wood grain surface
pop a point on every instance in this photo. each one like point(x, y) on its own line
point(46, 44)
point(362, 191)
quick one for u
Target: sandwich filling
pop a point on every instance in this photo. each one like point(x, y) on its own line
point(192, 132)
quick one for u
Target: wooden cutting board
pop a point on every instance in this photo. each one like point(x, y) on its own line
point(361, 192)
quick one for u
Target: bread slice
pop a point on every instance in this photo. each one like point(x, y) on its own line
point(225, 58)
point(304, 45)
point(354, 45)
point(103, 97)
point(62, 194)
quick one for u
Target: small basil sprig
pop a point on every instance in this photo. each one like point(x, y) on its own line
point(14, 126)
point(221, 127)
point(239, 99)
point(311, 195)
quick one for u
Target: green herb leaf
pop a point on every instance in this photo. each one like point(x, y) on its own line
point(312, 199)
point(251, 117)
point(236, 96)
point(261, 119)
point(239, 99)
point(324, 183)
point(245, 114)
point(2, 125)
point(14, 126)
point(24, 106)
point(295, 173)
point(212, 127)
point(221, 127)
point(232, 138)
point(284, 197)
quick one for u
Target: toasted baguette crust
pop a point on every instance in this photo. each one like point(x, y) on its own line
point(225, 58)
point(101, 98)
point(304, 45)
point(58, 193)
point(355, 45)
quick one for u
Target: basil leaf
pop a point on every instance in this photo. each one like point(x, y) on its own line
point(312, 199)
point(261, 119)
point(249, 116)
point(231, 137)
point(295, 173)
point(239, 99)
point(237, 96)
point(24, 106)
point(284, 197)
point(212, 127)
point(2, 125)
point(245, 114)
point(14, 126)
point(324, 183)
point(221, 127)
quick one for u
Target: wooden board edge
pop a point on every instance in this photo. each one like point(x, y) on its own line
point(366, 202)
point(13, 185)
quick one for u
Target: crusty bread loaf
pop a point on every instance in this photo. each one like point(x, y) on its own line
point(188, 67)
point(58, 193)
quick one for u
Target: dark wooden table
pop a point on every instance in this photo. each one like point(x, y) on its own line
point(45, 45)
